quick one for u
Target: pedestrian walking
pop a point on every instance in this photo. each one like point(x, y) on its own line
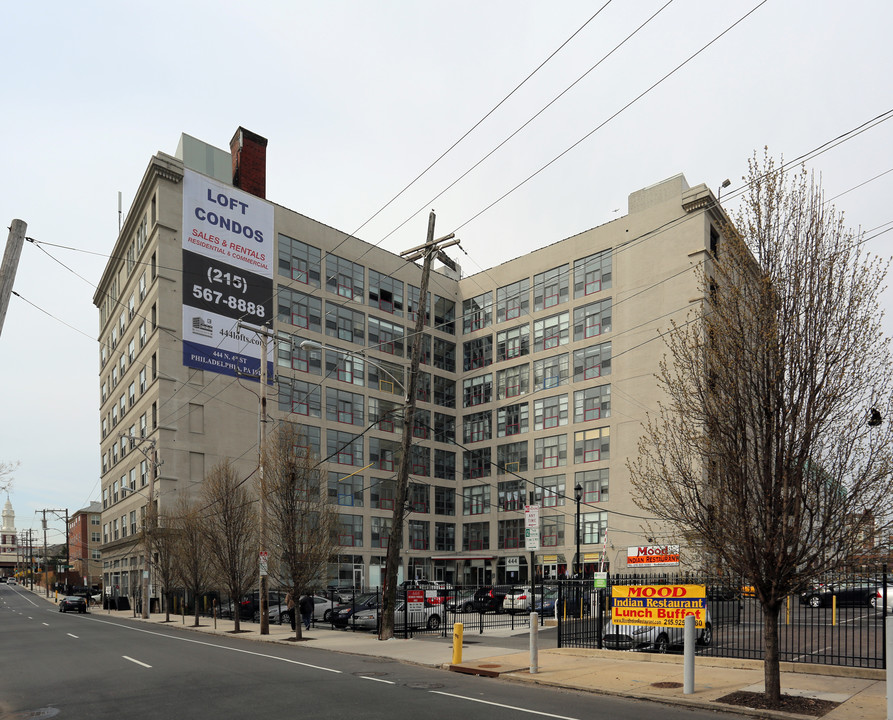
point(290, 604)
point(306, 607)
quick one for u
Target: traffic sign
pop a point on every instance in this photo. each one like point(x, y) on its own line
point(532, 527)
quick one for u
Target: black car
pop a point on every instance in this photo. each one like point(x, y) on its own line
point(489, 598)
point(844, 594)
point(249, 607)
point(73, 602)
point(340, 615)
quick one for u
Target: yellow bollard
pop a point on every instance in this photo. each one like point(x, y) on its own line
point(834, 609)
point(457, 643)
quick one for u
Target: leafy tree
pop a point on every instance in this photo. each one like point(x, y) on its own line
point(761, 451)
point(231, 532)
point(303, 527)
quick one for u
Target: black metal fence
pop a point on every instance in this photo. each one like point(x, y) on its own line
point(838, 619)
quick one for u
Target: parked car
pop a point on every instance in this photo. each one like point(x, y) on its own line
point(521, 599)
point(545, 605)
point(321, 610)
point(429, 618)
point(849, 595)
point(73, 602)
point(249, 606)
point(12, 581)
point(647, 637)
point(340, 615)
point(489, 598)
point(461, 602)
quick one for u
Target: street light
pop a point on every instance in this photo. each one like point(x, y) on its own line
point(725, 184)
point(578, 496)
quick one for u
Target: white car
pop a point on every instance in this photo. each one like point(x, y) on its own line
point(429, 618)
point(12, 581)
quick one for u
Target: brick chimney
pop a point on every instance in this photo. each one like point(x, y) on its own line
point(249, 152)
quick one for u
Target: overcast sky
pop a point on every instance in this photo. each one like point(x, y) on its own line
point(357, 99)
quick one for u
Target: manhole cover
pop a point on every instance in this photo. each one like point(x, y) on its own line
point(667, 685)
point(424, 685)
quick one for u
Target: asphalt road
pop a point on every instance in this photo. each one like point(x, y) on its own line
point(92, 667)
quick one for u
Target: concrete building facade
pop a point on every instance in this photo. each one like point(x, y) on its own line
point(84, 545)
point(536, 376)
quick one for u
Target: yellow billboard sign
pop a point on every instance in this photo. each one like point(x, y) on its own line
point(658, 605)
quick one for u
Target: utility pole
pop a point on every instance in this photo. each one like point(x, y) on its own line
point(46, 571)
point(10, 264)
point(265, 334)
point(427, 252)
point(151, 519)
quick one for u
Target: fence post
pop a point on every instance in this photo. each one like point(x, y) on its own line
point(558, 607)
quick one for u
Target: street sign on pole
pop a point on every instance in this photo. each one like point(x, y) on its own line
point(532, 527)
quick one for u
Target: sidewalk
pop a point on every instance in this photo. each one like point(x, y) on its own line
point(860, 692)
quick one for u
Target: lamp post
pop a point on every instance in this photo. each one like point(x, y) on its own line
point(725, 184)
point(578, 496)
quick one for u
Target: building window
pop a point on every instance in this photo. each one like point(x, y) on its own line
point(312, 436)
point(444, 315)
point(592, 445)
point(344, 407)
point(444, 355)
point(476, 463)
point(592, 403)
point(383, 454)
point(593, 526)
point(549, 452)
point(421, 424)
point(592, 320)
point(476, 500)
point(477, 390)
point(299, 397)
point(444, 464)
point(511, 534)
point(513, 343)
point(477, 312)
point(346, 368)
point(511, 495)
point(477, 353)
point(388, 377)
point(444, 392)
point(420, 460)
point(289, 354)
point(298, 309)
point(592, 274)
point(476, 427)
point(550, 288)
point(344, 448)
point(142, 377)
point(548, 491)
point(413, 305)
point(592, 362)
point(344, 278)
point(418, 534)
point(388, 415)
point(444, 428)
point(513, 301)
point(345, 324)
point(513, 381)
point(444, 501)
point(385, 293)
point(381, 531)
point(299, 261)
point(350, 531)
point(385, 337)
point(511, 420)
point(476, 536)
point(345, 490)
point(594, 484)
point(552, 530)
point(444, 537)
point(383, 493)
point(418, 497)
point(551, 332)
point(511, 458)
point(550, 412)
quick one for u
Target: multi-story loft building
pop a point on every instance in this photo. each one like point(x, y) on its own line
point(536, 374)
point(84, 543)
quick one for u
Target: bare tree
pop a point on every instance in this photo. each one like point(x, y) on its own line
point(160, 543)
point(6, 471)
point(303, 527)
point(231, 531)
point(761, 452)
point(192, 566)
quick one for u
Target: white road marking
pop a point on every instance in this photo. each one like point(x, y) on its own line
point(389, 682)
point(507, 707)
point(47, 624)
point(74, 636)
point(136, 661)
point(220, 647)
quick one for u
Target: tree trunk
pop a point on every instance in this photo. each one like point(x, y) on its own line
point(771, 670)
point(196, 613)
